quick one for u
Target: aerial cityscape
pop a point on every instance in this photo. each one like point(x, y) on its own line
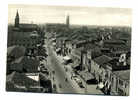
point(68, 50)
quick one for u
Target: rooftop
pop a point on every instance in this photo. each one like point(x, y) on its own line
point(28, 64)
point(124, 74)
point(16, 51)
point(102, 59)
point(10, 49)
point(114, 42)
point(28, 26)
point(19, 35)
point(19, 80)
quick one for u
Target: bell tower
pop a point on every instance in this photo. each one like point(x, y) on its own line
point(17, 19)
point(67, 21)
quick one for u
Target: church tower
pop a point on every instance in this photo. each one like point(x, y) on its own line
point(67, 21)
point(17, 19)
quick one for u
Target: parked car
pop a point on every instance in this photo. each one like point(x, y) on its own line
point(81, 85)
point(73, 75)
point(78, 80)
point(54, 88)
point(100, 85)
point(41, 58)
point(42, 65)
point(67, 60)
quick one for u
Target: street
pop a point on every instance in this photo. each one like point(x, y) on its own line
point(60, 74)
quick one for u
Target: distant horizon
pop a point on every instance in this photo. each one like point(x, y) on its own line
point(40, 14)
point(73, 24)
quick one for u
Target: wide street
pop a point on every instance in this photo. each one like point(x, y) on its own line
point(60, 75)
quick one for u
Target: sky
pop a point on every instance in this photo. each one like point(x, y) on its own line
point(78, 15)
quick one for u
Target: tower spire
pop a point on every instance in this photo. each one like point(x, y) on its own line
point(67, 20)
point(17, 14)
point(17, 19)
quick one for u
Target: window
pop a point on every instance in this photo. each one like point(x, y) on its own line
point(89, 61)
point(106, 74)
point(121, 82)
point(126, 85)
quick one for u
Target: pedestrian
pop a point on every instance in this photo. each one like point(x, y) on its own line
point(53, 72)
point(60, 86)
point(66, 69)
point(71, 77)
point(53, 78)
point(66, 79)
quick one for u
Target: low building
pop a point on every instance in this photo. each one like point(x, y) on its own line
point(114, 45)
point(96, 66)
point(120, 83)
point(13, 53)
point(29, 40)
point(107, 76)
point(23, 65)
point(20, 82)
point(26, 39)
point(91, 52)
point(76, 56)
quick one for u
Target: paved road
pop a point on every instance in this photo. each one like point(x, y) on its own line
point(60, 74)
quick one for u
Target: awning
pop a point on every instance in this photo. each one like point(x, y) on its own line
point(66, 58)
point(34, 35)
point(100, 85)
point(57, 50)
point(34, 77)
point(74, 65)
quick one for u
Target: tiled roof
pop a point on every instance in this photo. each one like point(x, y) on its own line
point(21, 79)
point(19, 35)
point(28, 64)
point(18, 60)
point(44, 77)
point(62, 38)
point(27, 26)
point(31, 65)
point(16, 67)
point(16, 51)
point(10, 49)
point(114, 41)
point(102, 59)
